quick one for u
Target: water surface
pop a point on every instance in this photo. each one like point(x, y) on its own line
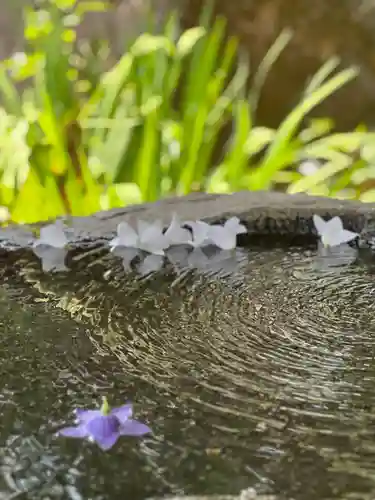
point(257, 370)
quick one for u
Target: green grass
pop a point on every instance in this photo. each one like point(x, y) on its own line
point(80, 139)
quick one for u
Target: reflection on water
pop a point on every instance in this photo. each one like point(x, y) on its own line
point(257, 370)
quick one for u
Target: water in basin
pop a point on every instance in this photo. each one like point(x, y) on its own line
point(255, 371)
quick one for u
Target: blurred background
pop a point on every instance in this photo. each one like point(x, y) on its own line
point(109, 103)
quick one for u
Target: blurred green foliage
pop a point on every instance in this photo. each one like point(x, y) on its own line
point(78, 138)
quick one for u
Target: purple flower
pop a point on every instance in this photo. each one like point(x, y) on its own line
point(106, 425)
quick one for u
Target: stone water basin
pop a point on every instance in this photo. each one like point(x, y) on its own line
point(259, 376)
point(255, 370)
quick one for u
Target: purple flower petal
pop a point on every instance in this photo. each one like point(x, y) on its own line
point(106, 443)
point(74, 432)
point(123, 413)
point(104, 430)
point(134, 428)
point(84, 416)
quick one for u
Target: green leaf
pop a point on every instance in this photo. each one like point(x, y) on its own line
point(147, 44)
point(10, 96)
point(275, 157)
point(147, 174)
point(188, 40)
point(324, 173)
point(237, 159)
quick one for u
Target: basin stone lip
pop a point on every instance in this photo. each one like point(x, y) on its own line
point(262, 212)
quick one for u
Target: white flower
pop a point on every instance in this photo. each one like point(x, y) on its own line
point(200, 231)
point(177, 235)
point(332, 232)
point(225, 237)
point(126, 237)
point(309, 167)
point(52, 235)
point(148, 237)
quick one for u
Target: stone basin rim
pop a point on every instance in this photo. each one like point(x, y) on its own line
point(263, 212)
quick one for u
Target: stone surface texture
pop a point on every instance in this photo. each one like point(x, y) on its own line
point(263, 213)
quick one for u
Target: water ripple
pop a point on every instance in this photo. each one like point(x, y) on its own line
point(275, 356)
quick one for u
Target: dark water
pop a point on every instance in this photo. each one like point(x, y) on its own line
point(257, 372)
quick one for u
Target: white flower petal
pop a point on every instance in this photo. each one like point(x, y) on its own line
point(222, 237)
point(152, 239)
point(145, 227)
point(241, 229)
point(155, 247)
point(200, 231)
point(151, 235)
point(334, 225)
point(142, 226)
point(52, 235)
point(319, 223)
point(346, 236)
point(126, 236)
point(330, 239)
point(177, 235)
point(114, 243)
point(233, 224)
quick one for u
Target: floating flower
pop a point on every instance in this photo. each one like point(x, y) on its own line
point(332, 232)
point(225, 237)
point(106, 425)
point(52, 235)
point(176, 234)
point(200, 233)
point(148, 237)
